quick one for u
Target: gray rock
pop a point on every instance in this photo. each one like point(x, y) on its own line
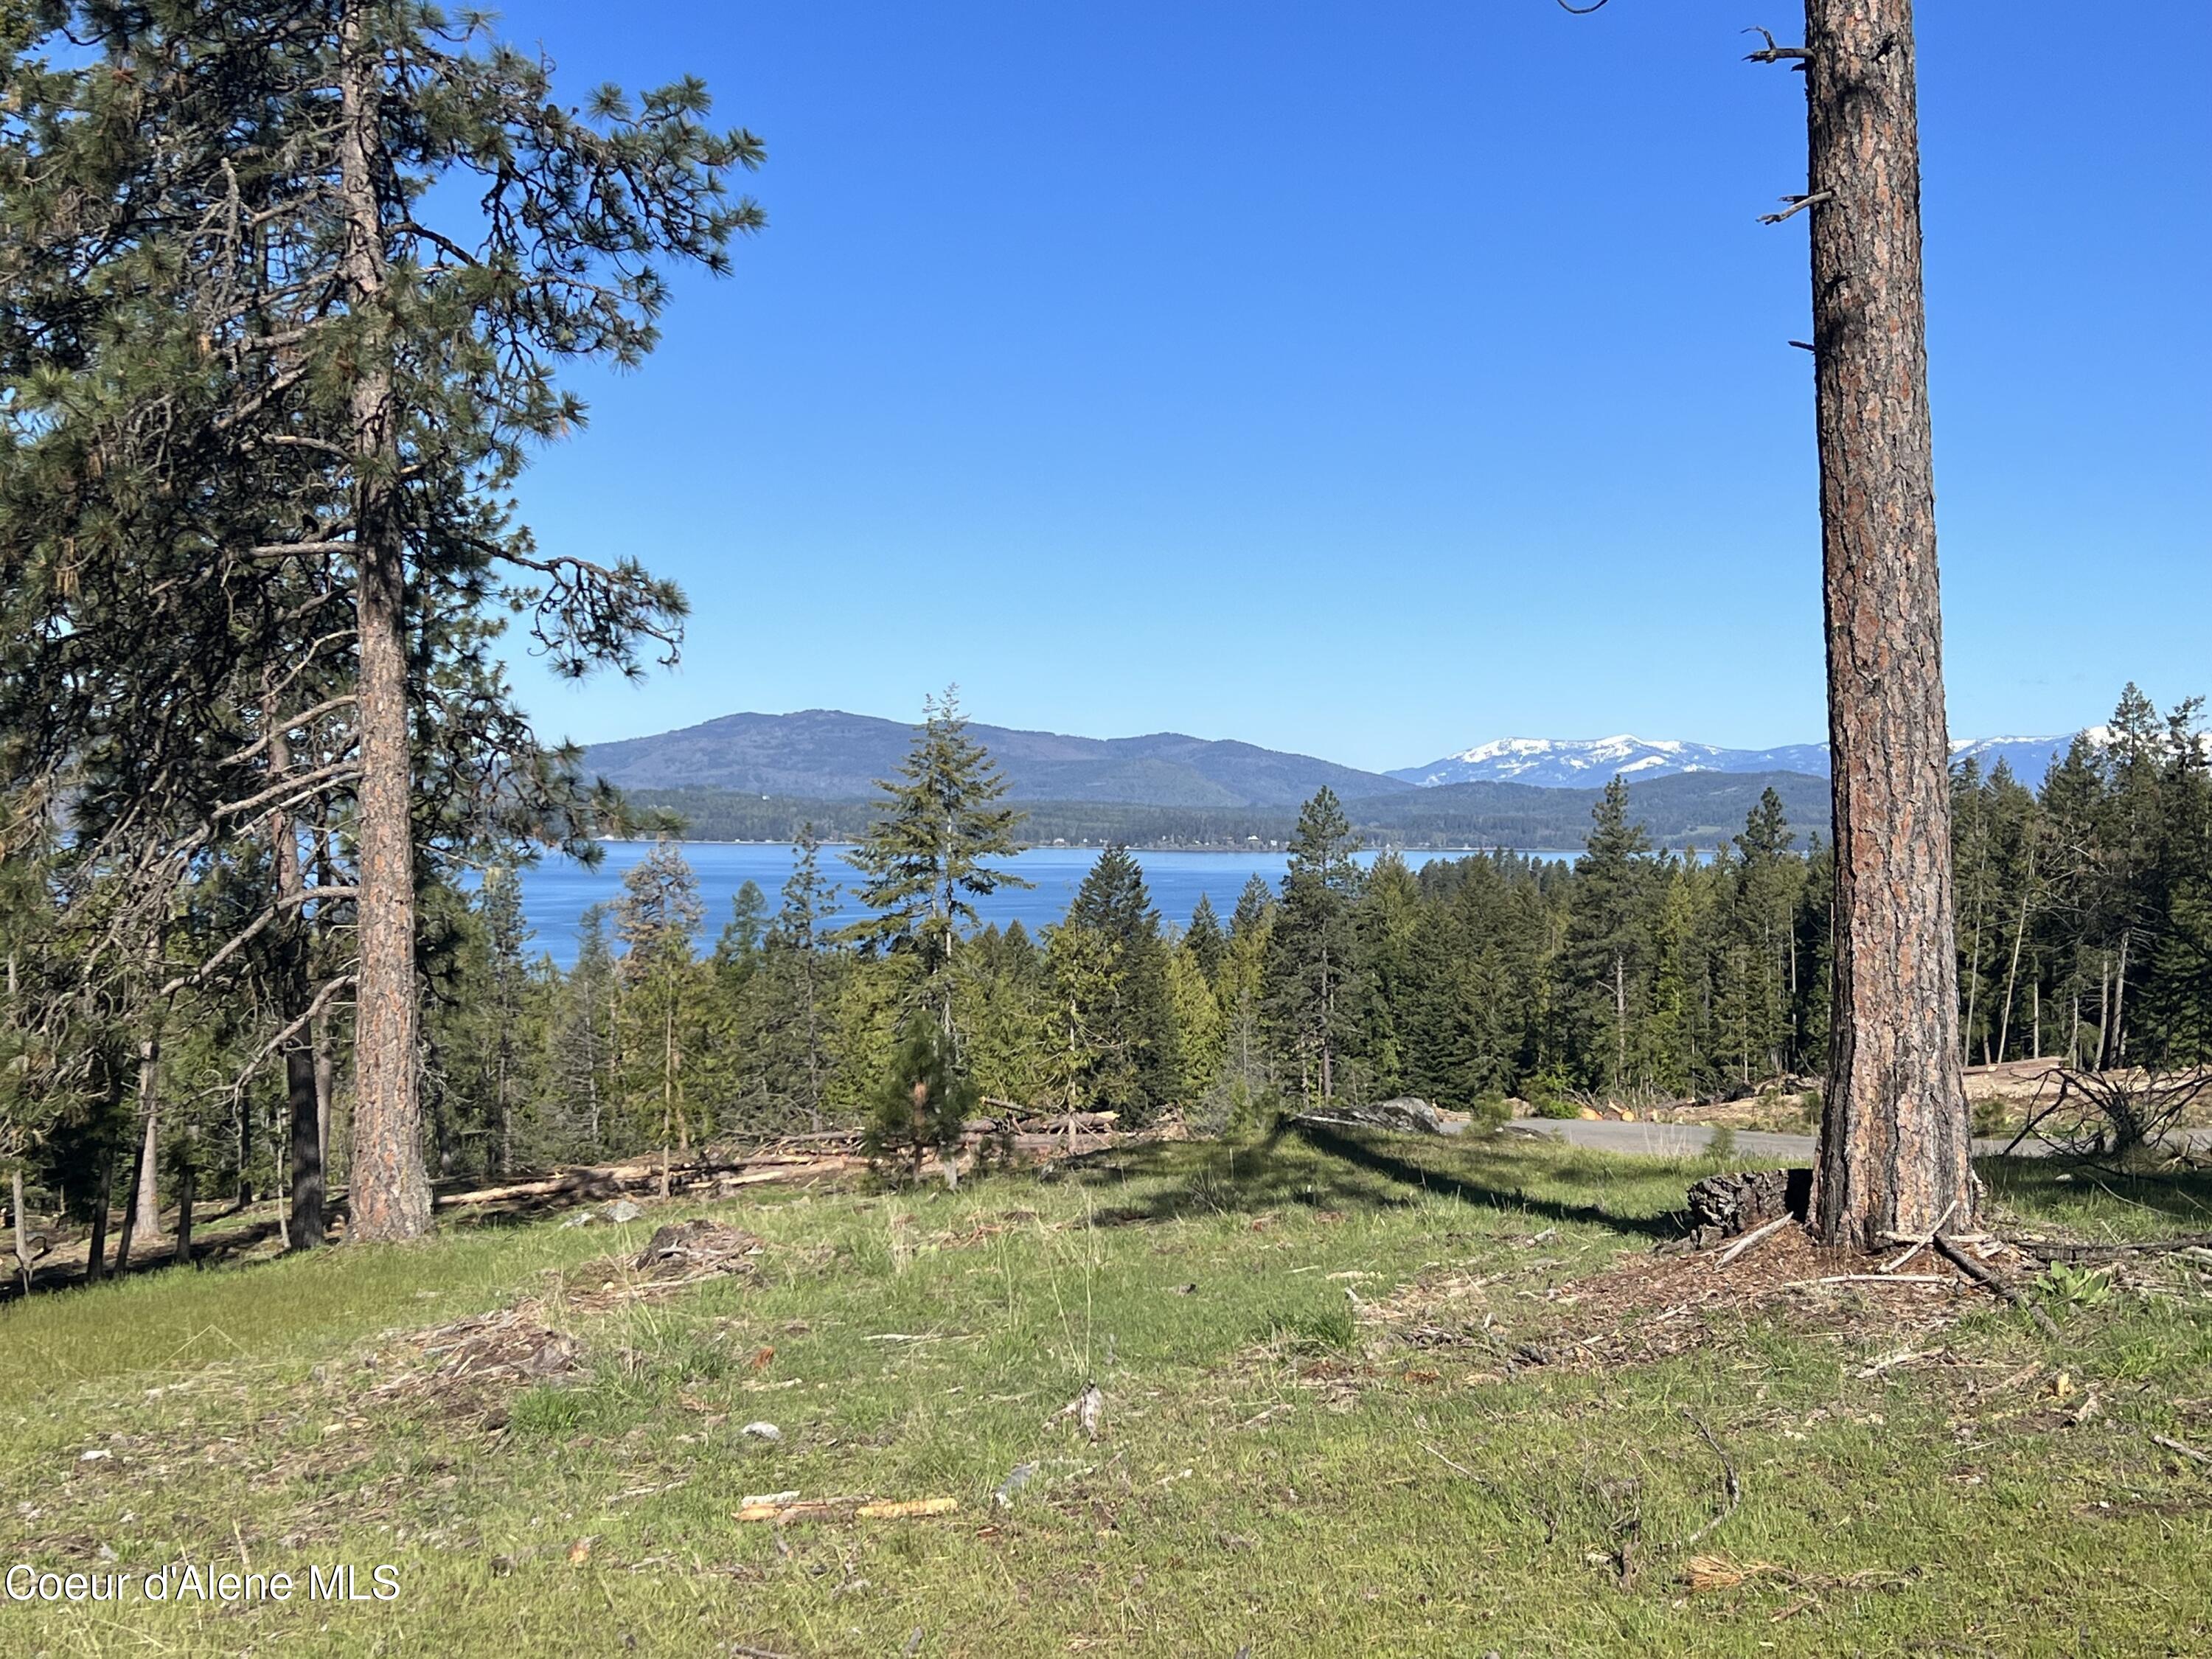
point(622, 1210)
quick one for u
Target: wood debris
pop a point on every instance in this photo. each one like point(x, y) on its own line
point(783, 1508)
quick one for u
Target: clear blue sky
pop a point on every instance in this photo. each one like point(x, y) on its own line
point(1371, 380)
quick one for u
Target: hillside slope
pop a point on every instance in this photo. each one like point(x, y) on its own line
point(823, 754)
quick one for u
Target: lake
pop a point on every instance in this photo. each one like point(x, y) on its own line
point(556, 893)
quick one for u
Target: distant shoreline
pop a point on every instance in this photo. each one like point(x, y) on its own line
point(1220, 848)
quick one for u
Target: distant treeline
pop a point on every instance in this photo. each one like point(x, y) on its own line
point(1695, 809)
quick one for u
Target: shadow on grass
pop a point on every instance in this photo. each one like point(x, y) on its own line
point(1316, 1167)
point(2082, 1194)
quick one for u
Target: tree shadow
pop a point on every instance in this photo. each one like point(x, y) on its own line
point(1317, 1167)
point(2073, 1191)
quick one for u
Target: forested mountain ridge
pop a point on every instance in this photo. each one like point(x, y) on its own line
point(825, 754)
point(1697, 809)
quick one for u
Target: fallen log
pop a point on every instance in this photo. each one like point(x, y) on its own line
point(2046, 1250)
point(1961, 1258)
point(1405, 1114)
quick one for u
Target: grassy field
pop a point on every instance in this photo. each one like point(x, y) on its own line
point(1376, 1395)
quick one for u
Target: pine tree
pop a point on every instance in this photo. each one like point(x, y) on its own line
point(1312, 945)
point(657, 919)
point(1385, 919)
point(1004, 1011)
point(925, 1101)
point(1126, 1010)
point(801, 971)
point(738, 952)
point(498, 906)
point(582, 1063)
point(1767, 879)
point(227, 216)
point(1608, 943)
point(1198, 1042)
point(926, 858)
point(1239, 990)
point(1204, 939)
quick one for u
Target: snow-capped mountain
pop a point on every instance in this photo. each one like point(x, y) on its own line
point(1568, 763)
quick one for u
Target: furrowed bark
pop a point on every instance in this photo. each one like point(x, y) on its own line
point(1894, 1141)
point(389, 1187)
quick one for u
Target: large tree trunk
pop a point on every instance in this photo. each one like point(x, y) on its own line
point(187, 1185)
point(103, 1196)
point(1894, 1137)
point(22, 1228)
point(389, 1188)
point(327, 1085)
point(122, 1235)
point(146, 1191)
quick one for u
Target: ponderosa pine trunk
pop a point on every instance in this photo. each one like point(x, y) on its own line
point(389, 1187)
point(1894, 1138)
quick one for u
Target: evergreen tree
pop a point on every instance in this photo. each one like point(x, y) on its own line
point(926, 857)
point(1003, 1010)
point(502, 1046)
point(924, 1100)
point(1767, 880)
point(1126, 1009)
point(657, 919)
point(738, 952)
point(582, 1061)
point(1607, 946)
point(1196, 1016)
point(1255, 906)
point(1312, 947)
point(1385, 920)
point(798, 984)
point(1239, 991)
point(227, 218)
point(1204, 939)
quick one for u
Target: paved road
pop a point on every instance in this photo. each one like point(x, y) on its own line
point(1688, 1139)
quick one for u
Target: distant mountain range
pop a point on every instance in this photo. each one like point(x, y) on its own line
point(1576, 762)
point(821, 754)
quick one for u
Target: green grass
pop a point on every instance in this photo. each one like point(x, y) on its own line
point(1279, 1470)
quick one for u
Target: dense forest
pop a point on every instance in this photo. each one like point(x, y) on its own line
point(1636, 974)
point(1691, 810)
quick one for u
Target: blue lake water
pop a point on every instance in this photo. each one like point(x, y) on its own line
point(556, 893)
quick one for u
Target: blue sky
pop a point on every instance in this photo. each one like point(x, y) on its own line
point(1372, 380)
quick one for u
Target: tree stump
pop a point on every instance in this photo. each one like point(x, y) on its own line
point(1737, 1202)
